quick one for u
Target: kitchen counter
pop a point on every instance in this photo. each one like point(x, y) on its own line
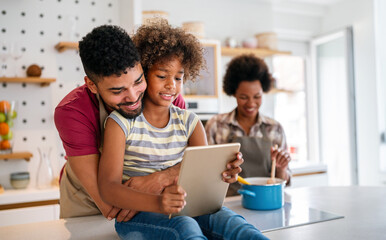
point(363, 209)
point(13, 196)
point(93, 227)
point(306, 168)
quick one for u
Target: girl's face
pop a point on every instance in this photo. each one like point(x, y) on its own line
point(164, 82)
point(249, 98)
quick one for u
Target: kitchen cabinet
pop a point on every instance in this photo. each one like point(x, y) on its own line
point(202, 96)
point(19, 206)
point(43, 81)
point(29, 215)
point(16, 155)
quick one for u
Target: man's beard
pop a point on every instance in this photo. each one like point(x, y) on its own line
point(132, 114)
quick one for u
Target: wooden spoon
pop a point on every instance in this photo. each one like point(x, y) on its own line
point(272, 180)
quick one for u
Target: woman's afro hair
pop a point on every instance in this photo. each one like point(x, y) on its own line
point(246, 68)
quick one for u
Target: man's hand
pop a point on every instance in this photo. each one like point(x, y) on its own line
point(153, 183)
point(233, 169)
point(111, 212)
point(156, 182)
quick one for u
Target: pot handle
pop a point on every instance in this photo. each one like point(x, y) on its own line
point(246, 192)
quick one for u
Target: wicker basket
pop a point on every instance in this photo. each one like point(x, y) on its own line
point(195, 28)
point(149, 17)
point(267, 40)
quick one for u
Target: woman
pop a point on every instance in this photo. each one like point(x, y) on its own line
point(246, 78)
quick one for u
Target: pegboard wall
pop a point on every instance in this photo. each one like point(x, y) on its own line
point(37, 26)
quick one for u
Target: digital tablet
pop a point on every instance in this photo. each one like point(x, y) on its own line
point(200, 176)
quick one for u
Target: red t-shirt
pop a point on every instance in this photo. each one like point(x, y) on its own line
point(77, 120)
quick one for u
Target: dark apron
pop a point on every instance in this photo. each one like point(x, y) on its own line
point(257, 158)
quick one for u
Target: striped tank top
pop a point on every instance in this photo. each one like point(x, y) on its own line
point(150, 149)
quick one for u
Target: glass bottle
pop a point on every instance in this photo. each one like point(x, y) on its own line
point(44, 174)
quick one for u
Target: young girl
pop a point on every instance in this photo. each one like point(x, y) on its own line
point(156, 140)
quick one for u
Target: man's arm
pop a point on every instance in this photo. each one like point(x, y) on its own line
point(179, 102)
point(86, 168)
point(81, 144)
point(155, 182)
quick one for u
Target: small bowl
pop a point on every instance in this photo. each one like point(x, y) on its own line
point(249, 43)
point(20, 180)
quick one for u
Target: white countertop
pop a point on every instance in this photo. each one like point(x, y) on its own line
point(307, 167)
point(94, 228)
point(12, 196)
point(363, 209)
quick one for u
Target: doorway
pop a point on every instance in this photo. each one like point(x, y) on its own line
point(331, 106)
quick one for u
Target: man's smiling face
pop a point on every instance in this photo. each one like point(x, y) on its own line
point(122, 93)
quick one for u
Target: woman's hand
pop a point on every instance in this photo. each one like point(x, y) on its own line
point(233, 169)
point(282, 157)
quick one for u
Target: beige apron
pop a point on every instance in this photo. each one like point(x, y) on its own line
point(257, 158)
point(74, 199)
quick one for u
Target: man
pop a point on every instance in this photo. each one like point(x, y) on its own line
point(114, 81)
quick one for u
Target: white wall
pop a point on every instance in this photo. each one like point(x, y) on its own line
point(38, 26)
point(380, 40)
point(295, 25)
point(239, 19)
point(360, 15)
point(221, 18)
point(244, 19)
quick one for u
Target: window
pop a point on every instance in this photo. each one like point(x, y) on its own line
point(288, 103)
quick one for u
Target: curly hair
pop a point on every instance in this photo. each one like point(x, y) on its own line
point(159, 42)
point(246, 67)
point(107, 50)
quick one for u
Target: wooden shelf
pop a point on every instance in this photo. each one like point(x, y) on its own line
point(280, 90)
point(200, 96)
point(42, 81)
point(259, 52)
point(16, 155)
point(225, 51)
point(63, 46)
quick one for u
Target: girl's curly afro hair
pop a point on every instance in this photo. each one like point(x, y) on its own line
point(246, 68)
point(159, 41)
point(107, 50)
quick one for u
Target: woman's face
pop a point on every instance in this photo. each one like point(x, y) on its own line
point(249, 98)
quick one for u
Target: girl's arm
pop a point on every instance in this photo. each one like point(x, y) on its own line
point(198, 137)
point(110, 177)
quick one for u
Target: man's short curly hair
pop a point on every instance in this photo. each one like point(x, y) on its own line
point(160, 41)
point(107, 50)
point(246, 68)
